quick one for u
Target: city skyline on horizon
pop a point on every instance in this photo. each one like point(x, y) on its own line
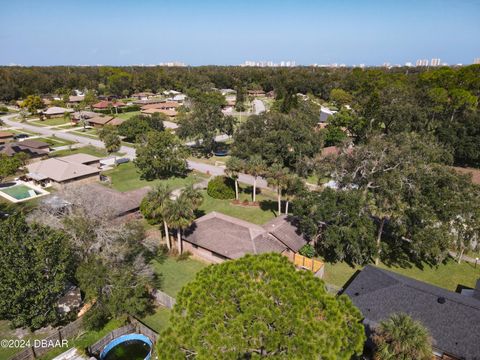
point(229, 33)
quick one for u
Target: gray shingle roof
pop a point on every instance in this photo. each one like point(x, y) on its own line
point(231, 237)
point(454, 324)
point(284, 228)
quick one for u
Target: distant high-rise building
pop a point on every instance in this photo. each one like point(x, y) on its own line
point(435, 62)
point(476, 61)
point(422, 62)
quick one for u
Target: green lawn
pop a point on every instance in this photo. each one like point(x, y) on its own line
point(91, 150)
point(125, 177)
point(9, 334)
point(257, 215)
point(85, 339)
point(128, 115)
point(175, 274)
point(158, 321)
point(51, 122)
point(447, 275)
point(53, 142)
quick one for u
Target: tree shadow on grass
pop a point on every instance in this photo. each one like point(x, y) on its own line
point(269, 205)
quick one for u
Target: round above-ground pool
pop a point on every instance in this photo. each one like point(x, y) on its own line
point(128, 347)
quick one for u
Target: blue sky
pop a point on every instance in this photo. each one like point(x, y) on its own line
point(222, 32)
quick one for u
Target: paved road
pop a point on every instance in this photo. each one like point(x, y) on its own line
point(128, 150)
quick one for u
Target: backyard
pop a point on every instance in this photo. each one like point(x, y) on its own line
point(448, 275)
point(11, 334)
point(126, 177)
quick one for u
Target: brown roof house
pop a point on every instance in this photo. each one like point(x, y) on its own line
point(6, 136)
point(142, 95)
point(33, 148)
point(217, 237)
point(105, 104)
point(64, 170)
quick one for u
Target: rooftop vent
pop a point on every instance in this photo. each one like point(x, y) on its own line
point(441, 300)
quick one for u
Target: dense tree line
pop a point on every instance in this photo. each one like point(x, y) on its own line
point(441, 101)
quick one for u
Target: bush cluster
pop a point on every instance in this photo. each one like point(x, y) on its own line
point(221, 187)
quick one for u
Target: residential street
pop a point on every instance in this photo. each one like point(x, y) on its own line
point(128, 150)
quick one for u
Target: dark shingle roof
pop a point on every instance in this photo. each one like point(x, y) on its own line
point(231, 237)
point(453, 324)
point(284, 228)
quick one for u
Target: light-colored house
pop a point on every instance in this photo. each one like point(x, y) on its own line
point(142, 95)
point(56, 111)
point(169, 112)
point(63, 170)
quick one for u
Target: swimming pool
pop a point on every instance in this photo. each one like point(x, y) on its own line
point(128, 347)
point(20, 191)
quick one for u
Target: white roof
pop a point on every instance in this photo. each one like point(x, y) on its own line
point(55, 110)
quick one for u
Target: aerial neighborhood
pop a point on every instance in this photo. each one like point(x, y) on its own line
point(263, 210)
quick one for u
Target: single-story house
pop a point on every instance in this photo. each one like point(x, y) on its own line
point(6, 136)
point(82, 158)
point(56, 111)
point(164, 105)
point(105, 104)
point(99, 121)
point(180, 98)
point(83, 114)
point(32, 148)
point(116, 121)
point(168, 112)
point(63, 170)
point(216, 237)
point(121, 203)
point(171, 92)
point(142, 95)
point(452, 319)
point(75, 99)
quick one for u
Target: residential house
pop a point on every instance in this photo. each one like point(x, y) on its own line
point(165, 105)
point(55, 111)
point(56, 172)
point(106, 104)
point(217, 237)
point(75, 99)
point(171, 92)
point(99, 121)
point(34, 149)
point(168, 112)
point(180, 98)
point(83, 115)
point(142, 95)
point(6, 136)
point(452, 319)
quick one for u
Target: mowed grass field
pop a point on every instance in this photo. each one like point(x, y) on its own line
point(126, 177)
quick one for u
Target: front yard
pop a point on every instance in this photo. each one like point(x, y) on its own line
point(266, 210)
point(126, 177)
point(51, 122)
point(90, 150)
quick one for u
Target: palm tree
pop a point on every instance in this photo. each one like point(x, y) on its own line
point(277, 176)
point(234, 167)
point(156, 204)
point(401, 337)
point(180, 215)
point(194, 196)
point(294, 186)
point(255, 167)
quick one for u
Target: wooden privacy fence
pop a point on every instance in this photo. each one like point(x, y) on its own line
point(47, 343)
point(315, 266)
point(164, 299)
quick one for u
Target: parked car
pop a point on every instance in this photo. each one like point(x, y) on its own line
point(20, 136)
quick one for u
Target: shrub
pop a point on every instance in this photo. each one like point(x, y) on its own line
point(307, 250)
point(184, 256)
point(221, 187)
